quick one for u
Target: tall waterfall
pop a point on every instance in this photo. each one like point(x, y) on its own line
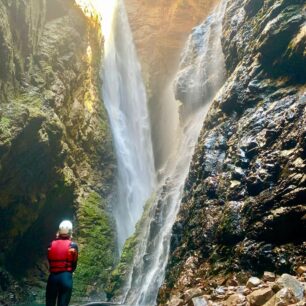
point(126, 103)
point(200, 78)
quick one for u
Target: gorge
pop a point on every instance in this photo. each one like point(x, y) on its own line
point(183, 174)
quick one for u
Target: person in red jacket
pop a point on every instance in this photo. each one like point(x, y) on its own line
point(62, 257)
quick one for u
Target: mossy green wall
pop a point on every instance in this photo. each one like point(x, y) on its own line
point(56, 155)
point(96, 240)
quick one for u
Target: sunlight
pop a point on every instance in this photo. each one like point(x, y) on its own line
point(103, 8)
point(86, 6)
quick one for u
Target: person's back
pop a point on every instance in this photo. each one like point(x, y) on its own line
point(62, 257)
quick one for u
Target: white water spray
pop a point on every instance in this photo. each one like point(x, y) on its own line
point(202, 68)
point(125, 99)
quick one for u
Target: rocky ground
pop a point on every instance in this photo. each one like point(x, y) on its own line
point(241, 290)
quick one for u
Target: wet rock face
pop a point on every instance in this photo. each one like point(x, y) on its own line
point(244, 202)
point(30, 21)
point(201, 71)
point(55, 144)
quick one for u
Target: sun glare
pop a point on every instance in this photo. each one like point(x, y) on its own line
point(103, 8)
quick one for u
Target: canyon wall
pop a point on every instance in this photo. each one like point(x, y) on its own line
point(160, 30)
point(56, 157)
point(243, 210)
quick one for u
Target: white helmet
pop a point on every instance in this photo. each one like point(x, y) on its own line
point(65, 228)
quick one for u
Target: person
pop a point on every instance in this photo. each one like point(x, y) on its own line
point(62, 257)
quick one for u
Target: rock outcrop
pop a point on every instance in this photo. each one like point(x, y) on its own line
point(56, 158)
point(243, 209)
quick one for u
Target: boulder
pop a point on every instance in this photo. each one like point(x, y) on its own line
point(289, 281)
point(301, 269)
point(253, 282)
point(282, 298)
point(269, 277)
point(260, 297)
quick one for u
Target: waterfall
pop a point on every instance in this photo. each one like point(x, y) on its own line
point(125, 99)
point(201, 76)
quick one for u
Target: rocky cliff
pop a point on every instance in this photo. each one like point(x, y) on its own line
point(56, 158)
point(160, 30)
point(243, 210)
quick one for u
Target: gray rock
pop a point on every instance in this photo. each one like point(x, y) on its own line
point(220, 290)
point(261, 121)
point(238, 173)
point(282, 298)
point(198, 301)
point(253, 282)
point(288, 281)
point(216, 304)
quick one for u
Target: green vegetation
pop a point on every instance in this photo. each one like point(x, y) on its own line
point(5, 127)
point(97, 247)
point(54, 123)
point(120, 274)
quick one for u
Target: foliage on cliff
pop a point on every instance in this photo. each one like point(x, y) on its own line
point(97, 247)
point(119, 278)
point(55, 142)
point(244, 202)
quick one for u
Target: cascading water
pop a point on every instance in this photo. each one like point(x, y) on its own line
point(201, 76)
point(126, 103)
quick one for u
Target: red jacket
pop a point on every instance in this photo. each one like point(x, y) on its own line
point(62, 255)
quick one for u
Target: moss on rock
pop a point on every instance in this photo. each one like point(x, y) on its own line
point(55, 140)
point(97, 247)
point(120, 274)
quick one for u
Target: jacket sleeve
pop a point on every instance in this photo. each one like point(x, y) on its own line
point(48, 251)
point(75, 253)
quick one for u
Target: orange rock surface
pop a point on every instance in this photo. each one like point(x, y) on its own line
point(160, 29)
